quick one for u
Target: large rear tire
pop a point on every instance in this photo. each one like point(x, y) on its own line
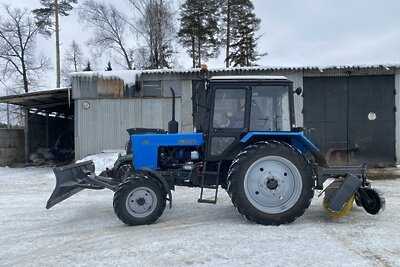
point(271, 183)
point(139, 200)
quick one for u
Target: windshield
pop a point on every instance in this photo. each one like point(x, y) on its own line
point(270, 109)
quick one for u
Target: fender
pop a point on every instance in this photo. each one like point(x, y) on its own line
point(162, 180)
point(298, 139)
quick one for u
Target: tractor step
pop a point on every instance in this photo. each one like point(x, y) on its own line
point(210, 172)
point(208, 201)
point(211, 187)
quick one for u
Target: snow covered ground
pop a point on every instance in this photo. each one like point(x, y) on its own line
point(84, 231)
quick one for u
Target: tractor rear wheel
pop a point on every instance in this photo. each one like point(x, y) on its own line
point(271, 183)
point(139, 200)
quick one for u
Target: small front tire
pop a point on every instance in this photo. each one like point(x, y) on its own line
point(139, 200)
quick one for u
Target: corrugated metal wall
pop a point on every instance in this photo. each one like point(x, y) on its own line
point(103, 125)
point(397, 125)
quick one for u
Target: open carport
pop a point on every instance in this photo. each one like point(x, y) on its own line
point(48, 123)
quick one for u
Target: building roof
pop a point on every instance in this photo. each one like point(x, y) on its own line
point(274, 68)
point(131, 76)
point(48, 101)
point(249, 77)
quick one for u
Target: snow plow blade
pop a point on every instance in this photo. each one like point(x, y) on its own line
point(70, 180)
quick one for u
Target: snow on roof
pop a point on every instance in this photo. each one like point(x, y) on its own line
point(128, 76)
point(271, 68)
point(248, 77)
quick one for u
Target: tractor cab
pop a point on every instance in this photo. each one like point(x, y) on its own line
point(243, 104)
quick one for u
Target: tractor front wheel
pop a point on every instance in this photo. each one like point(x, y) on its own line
point(139, 200)
point(271, 183)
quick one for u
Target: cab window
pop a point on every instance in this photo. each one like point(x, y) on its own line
point(270, 109)
point(229, 108)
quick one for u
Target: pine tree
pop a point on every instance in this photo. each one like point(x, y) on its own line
point(199, 29)
point(241, 40)
point(44, 16)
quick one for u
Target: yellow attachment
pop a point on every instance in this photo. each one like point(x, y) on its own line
point(345, 211)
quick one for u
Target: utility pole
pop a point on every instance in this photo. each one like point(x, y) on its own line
point(228, 33)
point(58, 71)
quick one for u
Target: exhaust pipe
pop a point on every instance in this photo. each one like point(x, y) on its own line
point(173, 124)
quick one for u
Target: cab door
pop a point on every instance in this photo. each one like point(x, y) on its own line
point(228, 120)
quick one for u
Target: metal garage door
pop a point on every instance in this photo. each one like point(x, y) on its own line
point(352, 119)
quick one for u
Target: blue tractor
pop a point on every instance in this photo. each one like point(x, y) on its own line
point(245, 141)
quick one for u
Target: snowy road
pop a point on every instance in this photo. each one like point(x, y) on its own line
point(83, 230)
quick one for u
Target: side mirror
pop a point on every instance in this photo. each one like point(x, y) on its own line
point(298, 91)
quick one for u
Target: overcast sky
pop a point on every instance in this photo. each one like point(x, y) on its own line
point(294, 33)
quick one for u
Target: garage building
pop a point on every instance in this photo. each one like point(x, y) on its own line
point(350, 112)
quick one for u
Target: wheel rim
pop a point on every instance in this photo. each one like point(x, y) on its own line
point(273, 184)
point(374, 204)
point(141, 202)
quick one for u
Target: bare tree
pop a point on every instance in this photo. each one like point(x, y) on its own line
point(155, 26)
point(74, 57)
point(110, 30)
point(73, 61)
point(17, 47)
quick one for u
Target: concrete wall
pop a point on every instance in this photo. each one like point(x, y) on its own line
point(11, 146)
